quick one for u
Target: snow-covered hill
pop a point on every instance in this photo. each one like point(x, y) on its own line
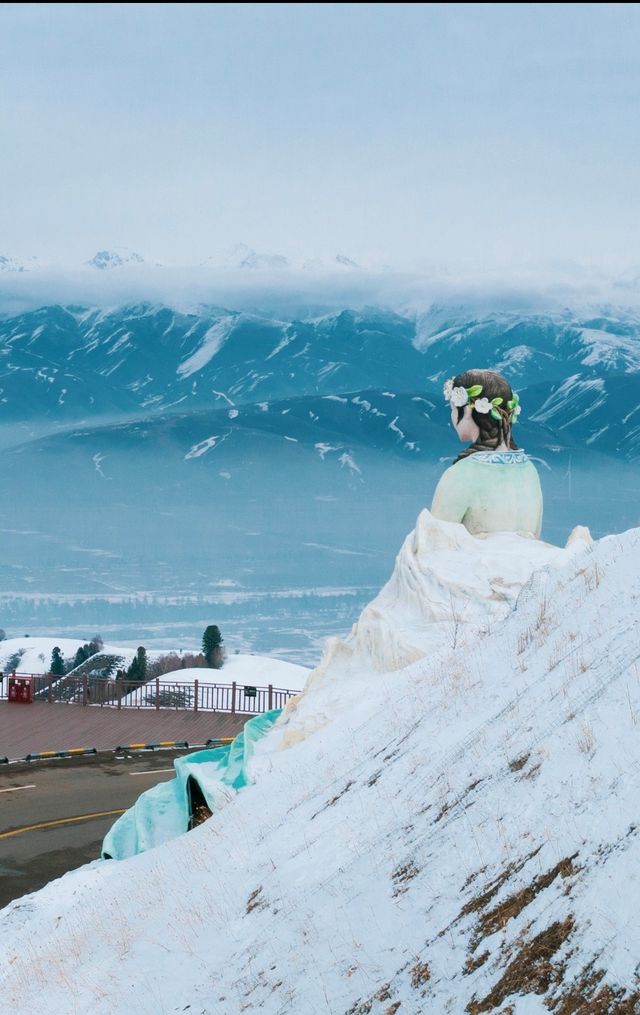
point(252, 670)
point(256, 670)
point(33, 656)
point(459, 835)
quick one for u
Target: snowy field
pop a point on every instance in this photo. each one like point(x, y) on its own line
point(454, 835)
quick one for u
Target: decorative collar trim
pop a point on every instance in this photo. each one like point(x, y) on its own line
point(500, 457)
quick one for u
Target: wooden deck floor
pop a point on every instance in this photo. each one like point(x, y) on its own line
point(29, 729)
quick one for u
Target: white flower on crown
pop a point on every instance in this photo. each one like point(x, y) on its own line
point(448, 389)
point(459, 397)
point(515, 412)
point(482, 405)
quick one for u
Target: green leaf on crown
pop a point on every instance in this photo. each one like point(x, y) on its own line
point(475, 389)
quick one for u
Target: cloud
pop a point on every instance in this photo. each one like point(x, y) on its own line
point(305, 291)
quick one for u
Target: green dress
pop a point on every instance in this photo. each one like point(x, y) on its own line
point(491, 491)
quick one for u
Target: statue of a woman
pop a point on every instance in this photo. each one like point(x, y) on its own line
point(492, 486)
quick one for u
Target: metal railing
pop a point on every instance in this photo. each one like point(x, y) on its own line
point(234, 698)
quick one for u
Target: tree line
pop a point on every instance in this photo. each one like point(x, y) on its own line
point(140, 669)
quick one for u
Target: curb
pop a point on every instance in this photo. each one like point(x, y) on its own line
point(45, 755)
point(152, 747)
point(77, 752)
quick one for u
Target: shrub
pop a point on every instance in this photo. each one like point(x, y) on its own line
point(172, 661)
point(13, 661)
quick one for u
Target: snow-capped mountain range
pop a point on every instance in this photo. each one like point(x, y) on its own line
point(240, 256)
point(577, 375)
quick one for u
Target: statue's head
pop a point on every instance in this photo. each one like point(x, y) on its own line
point(483, 408)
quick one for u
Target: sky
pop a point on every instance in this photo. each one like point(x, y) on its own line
point(409, 135)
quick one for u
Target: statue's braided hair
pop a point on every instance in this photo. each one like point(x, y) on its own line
point(493, 432)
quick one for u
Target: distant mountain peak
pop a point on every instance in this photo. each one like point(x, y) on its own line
point(245, 257)
point(9, 264)
point(116, 258)
point(255, 260)
point(328, 264)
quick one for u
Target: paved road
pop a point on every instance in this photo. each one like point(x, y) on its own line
point(54, 791)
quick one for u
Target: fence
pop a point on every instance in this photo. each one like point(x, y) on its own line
point(237, 699)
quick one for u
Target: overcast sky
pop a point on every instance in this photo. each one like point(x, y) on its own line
point(407, 134)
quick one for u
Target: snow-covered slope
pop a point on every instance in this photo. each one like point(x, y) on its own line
point(33, 655)
point(251, 669)
point(459, 835)
point(532, 345)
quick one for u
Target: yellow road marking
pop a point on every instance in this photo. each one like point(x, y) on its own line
point(60, 821)
point(152, 771)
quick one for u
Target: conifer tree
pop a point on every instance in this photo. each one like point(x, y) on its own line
point(212, 646)
point(138, 668)
point(81, 656)
point(57, 663)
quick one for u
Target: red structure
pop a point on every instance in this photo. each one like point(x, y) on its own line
point(20, 690)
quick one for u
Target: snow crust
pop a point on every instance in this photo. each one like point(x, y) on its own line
point(413, 834)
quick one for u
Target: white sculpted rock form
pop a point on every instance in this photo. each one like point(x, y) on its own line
point(443, 578)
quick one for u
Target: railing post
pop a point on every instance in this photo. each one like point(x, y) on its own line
point(157, 693)
point(50, 690)
point(195, 687)
point(233, 698)
point(85, 696)
point(119, 692)
point(270, 697)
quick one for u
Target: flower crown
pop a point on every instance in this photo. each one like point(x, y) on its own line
point(469, 396)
